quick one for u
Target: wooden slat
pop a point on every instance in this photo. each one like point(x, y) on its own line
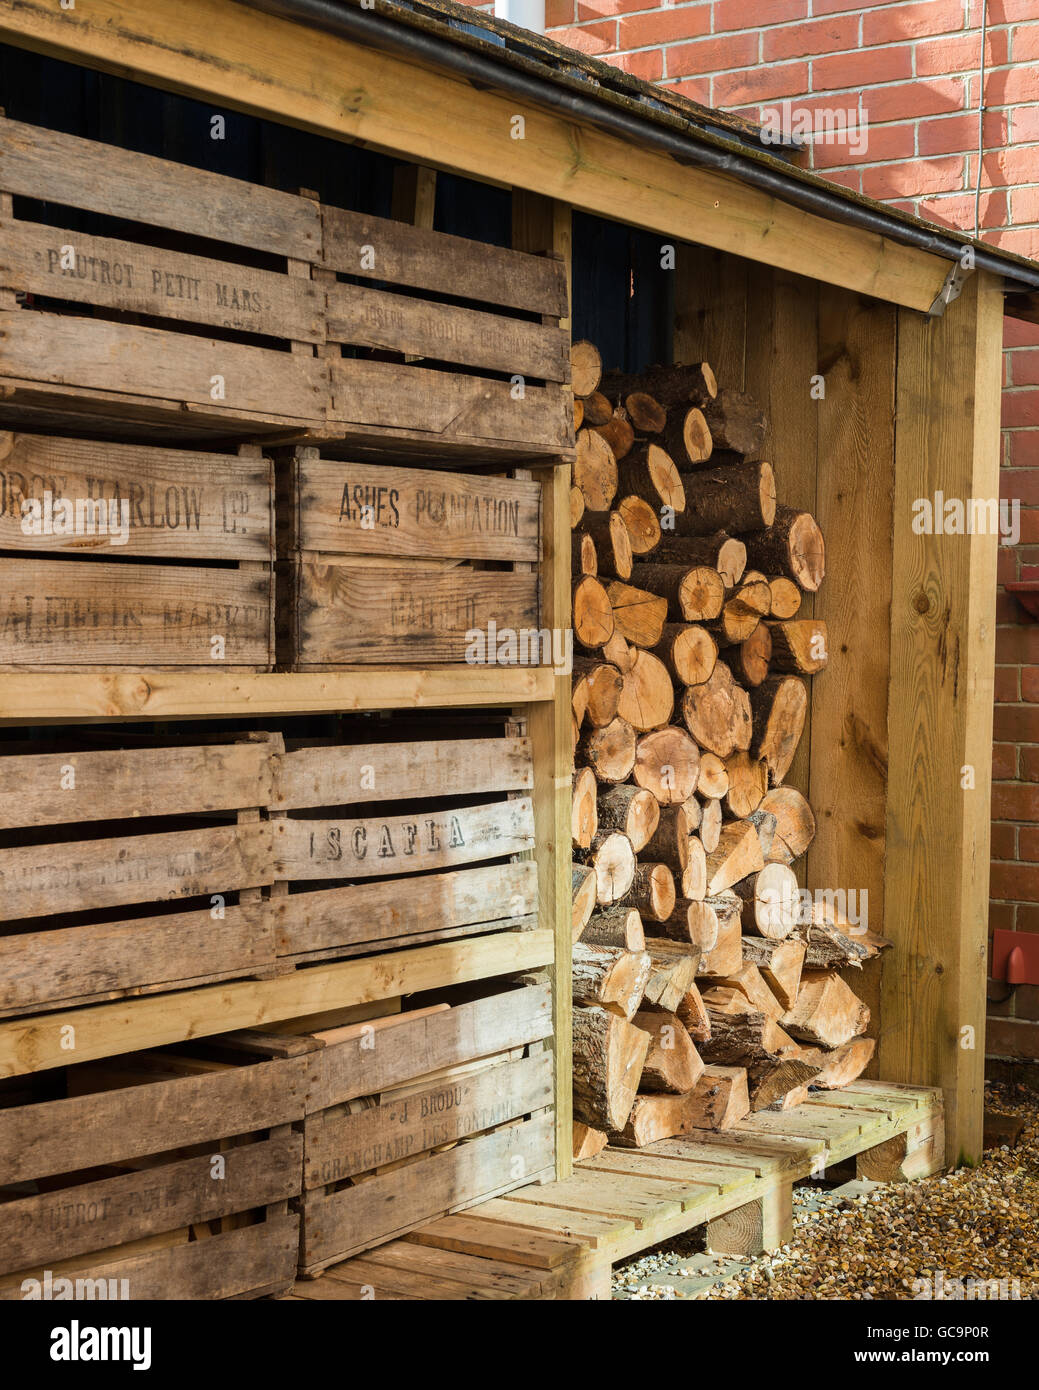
point(594, 1231)
point(940, 710)
point(487, 1278)
point(39, 789)
point(257, 63)
point(385, 910)
point(427, 260)
point(157, 365)
point(59, 168)
point(638, 1163)
point(496, 1023)
point(124, 276)
point(351, 613)
point(376, 509)
point(370, 318)
point(183, 504)
point(425, 840)
point(496, 1241)
point(39, 879)
point(94, 1216)
point(355, 773)
point(711, 312)
point(105, 1030)
point(339, 1146)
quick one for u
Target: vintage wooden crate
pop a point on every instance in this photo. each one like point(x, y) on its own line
point(415, 1116)
point(492, 372)
point(162, 1180)
point(72, 509)
point(83, 882)
point(386, 564)
point(436, 862)
point(113, 329)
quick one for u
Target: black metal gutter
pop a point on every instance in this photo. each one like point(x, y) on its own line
point(369, 29)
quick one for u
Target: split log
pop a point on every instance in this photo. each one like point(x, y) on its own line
point(596, 691)
point(583, 898)
point(667, 763)
point(738, 854)
point(588, 1142)
point(613, 979)
point(826, 1011)
point(609, 751)
point(613, 860)
point(672, 1063)
point(735, 421)
point(688, 651)
point(718, 1101)
point(764, 822)
point(645, 412)
point(583, 558)
point(687, 436)
point(780, 963)
point(830, 948)
point(786, 597)
point(735, 497)
point(672, 973)
point(723, 921)
point(638, 616)
point(713, 781)
point(779, 708)
point(608, 1056)
point(617, 432)
point(642, 523)
point(584, 819)
point(620, 927)
point(750, 982)
point(669, 843)
point(618, 653)
point(754, 656)
point(711, 825)
point(576, 506)
point(649, 472)
point(595, 470)
point(795, 824)
point(720, 552)
point(647, 698)
point(771, 901)
point(693, 1013)
point(772, 1083)
point(694, 875)
point(717, 713)
point(793, 546)
point(741, 616)
point(839, 1066)
point(748, 783)
point(598, 409)
point(800, 646)
point(653, 891)
point(593, 613)
point(633, 811)
point(585, 367)
point(740, 1034)
point(578, 413)
point(612, 542)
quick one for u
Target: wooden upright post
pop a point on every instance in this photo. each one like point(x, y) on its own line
point(541, 225)
point(943, 614)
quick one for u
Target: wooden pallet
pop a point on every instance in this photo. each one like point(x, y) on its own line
point(738, 1183)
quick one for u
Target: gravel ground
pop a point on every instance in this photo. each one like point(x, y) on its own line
point(975, 1223)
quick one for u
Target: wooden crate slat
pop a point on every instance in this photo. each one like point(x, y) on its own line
point(373, 847)
point(424, 259)
point(348, 613)
point(340, 1146)
point(354, 773)
point(141, 279)
point(385, 910)
point(39, 163)
point(65, 1136)
point(39, 789)
point(60, 613)
point(37, 880)
point(183, 504)
point(98, 1215)
point(366, 317)
point(366, 509)
point(162, 367)
point(73, 965)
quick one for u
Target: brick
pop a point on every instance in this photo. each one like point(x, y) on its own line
point(606, 9)
point(1011, 86)
point(1024, 202)
point(898, 23)
point(914, 177)
point(835, 35)
point(665, 26)
point(896, 103)
point(850, 178)
point(851, 71)
point(648, 64)
point(1023, 448)
point(1011, 1037)
point(1029, 523)
point(1001, 916)
point(1022, 241)
point(1008, 167)
point(957, 210)
point(1020, 485)
point(1028, 764)
point(1004, 762)
point(1010, 11)
point(949, 134)
point(1028, 844)
point(1030, 683)
point(1004, 841)
point(696, 89)
point(1026, 917)
point(1024, 125)
point(1014, 882)
point(1024, 366)
point(712, 55)
point(940, 57)
point(732, 14)
point(1019, 333)
point(1026, 1002)
point(559, 13)
point(760, 84)
point(1024, 43)
point(1006, 565)
point(1015, 723)
point(1007, 681)
point(593, 39)
point(839, 6)
point(1021, 407)
point(882, 143)
point(1016, 801)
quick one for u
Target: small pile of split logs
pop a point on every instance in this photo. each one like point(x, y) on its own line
point(703, 987)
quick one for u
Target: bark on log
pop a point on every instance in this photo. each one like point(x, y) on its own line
point(619, 927)
point(793, 546)
point(693, 1013)
point(771, 902)
point(726, 554)
point(645, 412)
point(800, 646)
point(689, 590)
point(608, 1056)
point(772, 1083)
point(736, 497)
point(649, 472)
point(669, 843)
point(617, 432)
point(653, 891)
point(613, 979)
point(779, 708)
point(633, 811)
point(672, 1063)
point(736, 422)
point(718, 1102)
point(598, 409)
point(612, 543)
point(681, 383)
point(687, 436)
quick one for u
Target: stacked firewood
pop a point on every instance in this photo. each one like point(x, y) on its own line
point(705, 986)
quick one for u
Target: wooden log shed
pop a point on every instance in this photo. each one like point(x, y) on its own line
point(779, 280)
